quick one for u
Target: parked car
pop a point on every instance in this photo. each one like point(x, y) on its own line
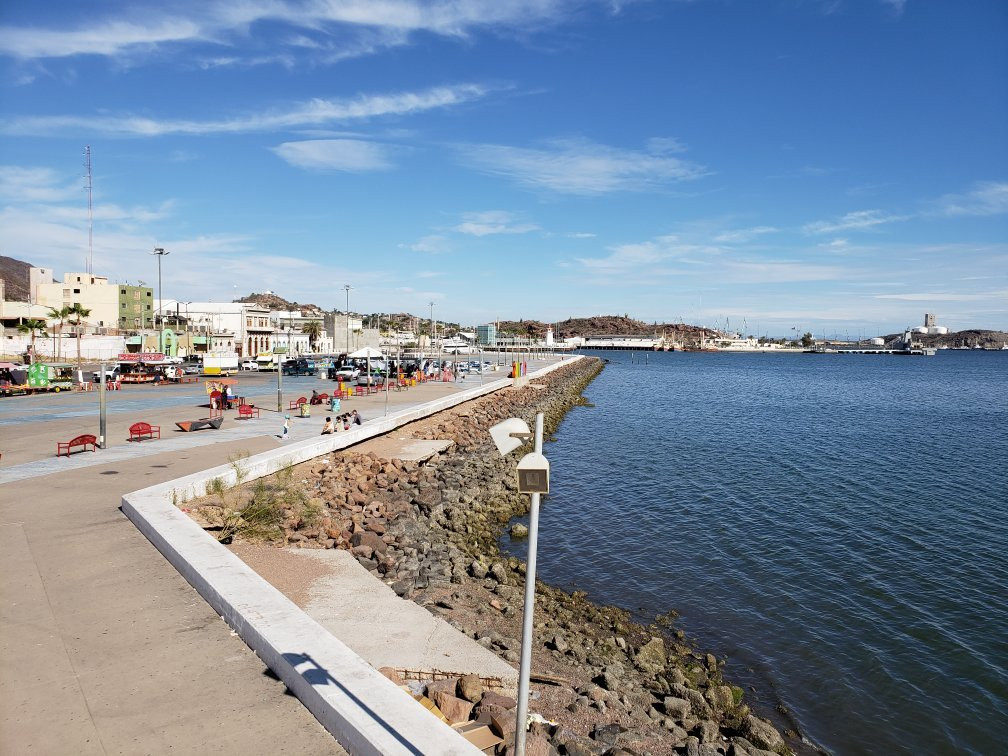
point(346, 373)
point(111, 374)
point(250, 365)
point(299, 366)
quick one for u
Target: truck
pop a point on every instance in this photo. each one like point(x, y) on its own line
point(299, 366)
point(220, 363)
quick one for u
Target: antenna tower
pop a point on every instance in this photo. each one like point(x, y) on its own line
point(90, 213)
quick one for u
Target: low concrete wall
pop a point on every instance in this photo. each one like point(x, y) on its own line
point(363, 710)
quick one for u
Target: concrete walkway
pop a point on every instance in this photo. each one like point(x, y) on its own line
point(104, 647)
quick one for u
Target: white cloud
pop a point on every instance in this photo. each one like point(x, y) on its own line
point(743, 234)
point(34, 184)
point(579, 166)
point(325, 31)
point(315, 112)
point(947, 296)
point(986, 198)
point(896, 6)
point(350, 155)
point(433, 244)
point(491, 222)
point(580, 235)
point(859, 220)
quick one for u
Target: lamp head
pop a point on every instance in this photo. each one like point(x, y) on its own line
point(509, 434)
point(533, 474)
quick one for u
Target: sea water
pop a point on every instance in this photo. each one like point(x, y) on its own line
point(836, 525)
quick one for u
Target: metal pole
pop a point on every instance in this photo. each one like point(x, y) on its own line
point(279, 367)
point(347, 287)
point(101, 408)
point(530, 573)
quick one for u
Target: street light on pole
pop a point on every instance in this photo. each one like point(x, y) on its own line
point(160, 252)
point(533, 478)
point(347, 287)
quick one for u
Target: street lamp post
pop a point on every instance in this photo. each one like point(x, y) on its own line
point(159, 252)
point(533, 478)
point(347, 287)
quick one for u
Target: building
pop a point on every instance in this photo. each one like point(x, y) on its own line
point(90, 291)
point(38, 276)
point(136, 307)
point(240, 327)
point(487, 334)
point(930, 320)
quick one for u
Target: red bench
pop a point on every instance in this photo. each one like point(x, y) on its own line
point(81, 441)
point(247, 410)
point(138, 431)
point(297, 403)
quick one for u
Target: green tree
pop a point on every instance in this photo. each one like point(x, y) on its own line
point(78, 312)
point(314, 329)
point(62, 314)
point(807, 340)
point(32, 327)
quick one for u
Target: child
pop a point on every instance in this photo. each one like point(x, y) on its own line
point(328, 427)
point(286, 427)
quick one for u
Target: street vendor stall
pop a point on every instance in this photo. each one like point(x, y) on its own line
point(217, 390)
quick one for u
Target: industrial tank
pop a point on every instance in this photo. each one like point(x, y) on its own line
point(878, 341)
point(920, 329)
point(937, 330)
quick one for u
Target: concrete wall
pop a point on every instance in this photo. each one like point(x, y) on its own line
point(363, 710)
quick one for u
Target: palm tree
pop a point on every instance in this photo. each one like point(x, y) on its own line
point(78, 312)
point(31, 327)
point(314, 329)
point(62, 313)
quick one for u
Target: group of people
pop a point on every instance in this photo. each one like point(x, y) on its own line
point(345, 420)
point(223, 400)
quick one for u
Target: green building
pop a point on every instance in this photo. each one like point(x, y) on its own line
point(136, 307)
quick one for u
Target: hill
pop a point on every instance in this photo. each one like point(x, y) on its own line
point(15, 276)
point(598, 325)
point(276, 302)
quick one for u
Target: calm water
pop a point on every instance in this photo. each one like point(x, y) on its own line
point(835, 524)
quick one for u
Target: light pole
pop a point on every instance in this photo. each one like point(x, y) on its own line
point(533, 478)
point(347, 287)
point(159, 252)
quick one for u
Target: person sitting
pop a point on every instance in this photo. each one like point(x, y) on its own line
point(328, 427)
point(315, 397)
point(355, 419)
point(345, 419)
point(228, 396)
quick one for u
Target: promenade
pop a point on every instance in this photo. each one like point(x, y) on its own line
point(105, 647)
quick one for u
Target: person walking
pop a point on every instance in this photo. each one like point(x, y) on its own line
point(286, 428)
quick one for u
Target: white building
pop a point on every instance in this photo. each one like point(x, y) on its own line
point(224, 326)
point(90, 291)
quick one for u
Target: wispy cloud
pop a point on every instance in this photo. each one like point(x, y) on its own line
point(349, 155)
point(582, 167)
point(743, 234)
point(492, 222)
point(33, 184)
point(896, 6)
point(313, 113)
point(315, 31)
point(860, 220)
point(947, 296)
point(432, 244)
point(579, 235)
point(986, 198)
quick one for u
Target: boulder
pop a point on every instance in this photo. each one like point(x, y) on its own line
point(677, 708)
point(762, 734)
point(497, 699)
point(519, 531)
point(447, 685)
point(708, 732)
point(477, 569)
point(392, 675)
point(454, 709)
point(470, 687)
point(651, 657)
point(721, 698)
point(367, 538)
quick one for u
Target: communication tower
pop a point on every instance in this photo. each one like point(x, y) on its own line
point(90, 214)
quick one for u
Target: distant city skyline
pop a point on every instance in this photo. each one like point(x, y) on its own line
point(833, 166)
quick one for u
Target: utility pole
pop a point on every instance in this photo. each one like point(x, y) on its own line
point(160, 252)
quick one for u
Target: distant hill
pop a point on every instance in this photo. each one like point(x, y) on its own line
point(276, 302)
point(15, 276)
point(973, 337)
point(598, 325)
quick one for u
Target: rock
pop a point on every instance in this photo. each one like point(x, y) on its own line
point(677, 708)
point(492, 698)
point(537, 745)
point(708, 732)
point(762, 734)
point(362, 551)
point(692, 746)
point(402, 587)
point(519, 531)
point(557, 643)
point(698, 703)
point(607, 734)
point(367, 538)
point(499, 572)
point(651, 657)
point(454, 709)
point(392, 675)
point(470, 687)
point(721, 698)
point(448, 685)
point(477, 569)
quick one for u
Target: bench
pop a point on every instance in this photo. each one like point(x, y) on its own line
point(81, 441)
point(248, 411)
point(138, 431)
point(297, 403)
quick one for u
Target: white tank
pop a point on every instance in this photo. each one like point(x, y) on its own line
point(878, 341)
point(920, 329)
point(937, 330)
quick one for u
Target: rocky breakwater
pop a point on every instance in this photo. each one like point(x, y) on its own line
point(602, 682)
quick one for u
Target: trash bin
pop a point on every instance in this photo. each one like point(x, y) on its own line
point(305, 409)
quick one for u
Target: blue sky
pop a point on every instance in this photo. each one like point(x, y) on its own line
point(839, 166)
